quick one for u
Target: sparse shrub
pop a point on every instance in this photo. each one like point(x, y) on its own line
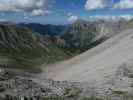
point(126, 69)
point(72, 93)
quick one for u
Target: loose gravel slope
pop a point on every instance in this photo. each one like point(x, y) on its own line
point(97, 65)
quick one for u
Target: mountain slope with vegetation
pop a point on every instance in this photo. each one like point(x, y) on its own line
point(20, 46)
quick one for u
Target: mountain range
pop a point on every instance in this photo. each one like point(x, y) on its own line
point(80, 35)
point(52, 30)
point(34, 44)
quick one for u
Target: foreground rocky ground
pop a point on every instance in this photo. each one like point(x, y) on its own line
point(24, 86)
point(14, 86)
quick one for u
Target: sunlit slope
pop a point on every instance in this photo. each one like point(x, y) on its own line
point(98, 64)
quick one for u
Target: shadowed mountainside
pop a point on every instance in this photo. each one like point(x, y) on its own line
point(52, 30)
point(22, 47)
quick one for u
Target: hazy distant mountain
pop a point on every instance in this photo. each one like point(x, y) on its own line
point(7, 23)
point(83, 35)
point(106, 27)
point(79, 36)
point(52, 30)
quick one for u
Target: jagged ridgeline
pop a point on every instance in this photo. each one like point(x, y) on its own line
point(82, 36)
point(21, 47)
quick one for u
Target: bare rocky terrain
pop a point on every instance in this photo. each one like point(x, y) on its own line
point(104, 72)
point(18, 85)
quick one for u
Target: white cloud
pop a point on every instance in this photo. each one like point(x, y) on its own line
point(3, 20)
point(39, 12)
point(23, 5)
point(127, 17)
point(124, 4)
point(72, 18)
point(102, 4)
point(95, 4)
point(111, 17)
point(26, 16)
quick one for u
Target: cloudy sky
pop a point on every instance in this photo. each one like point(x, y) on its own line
point(63, 11)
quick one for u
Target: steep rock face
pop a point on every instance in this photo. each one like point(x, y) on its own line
point(83, 35)
point(80, 35)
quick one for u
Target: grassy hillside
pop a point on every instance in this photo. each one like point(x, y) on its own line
point(21, 47)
